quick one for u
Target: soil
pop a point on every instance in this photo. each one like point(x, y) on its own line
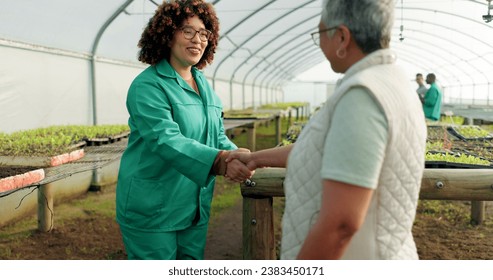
point(7, 171)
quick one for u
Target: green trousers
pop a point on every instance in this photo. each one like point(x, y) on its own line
point(187, 244)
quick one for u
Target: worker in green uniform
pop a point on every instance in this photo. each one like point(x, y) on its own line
point(177, 143)
point(433, 99)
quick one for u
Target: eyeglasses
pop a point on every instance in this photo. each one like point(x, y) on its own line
point(316, 35)
point(189, 33)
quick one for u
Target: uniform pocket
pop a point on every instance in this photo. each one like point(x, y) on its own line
point(145, 201)
point(159, 205)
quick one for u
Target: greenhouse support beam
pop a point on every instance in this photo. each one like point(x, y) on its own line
point(93, 57)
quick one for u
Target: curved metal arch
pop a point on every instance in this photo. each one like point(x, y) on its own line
point(279, 81)
point(453, 43)
point(448, 28)
point(458, 31)
point(478, 56)
point(286, 55)
point(281, 63)
point(268, 43)
point(93, 56)
point(268, 55)
point(452, 75)
point(435, 54)
point(237, 47)
point(307, 57)
point(296, 66)
point(253, 54)
point(423, 61)
point(445, 13)
point(257, 65)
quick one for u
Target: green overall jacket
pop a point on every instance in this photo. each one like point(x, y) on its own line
point(164, 181)
point(433, 103)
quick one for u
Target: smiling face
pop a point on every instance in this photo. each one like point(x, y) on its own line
point(187, 52)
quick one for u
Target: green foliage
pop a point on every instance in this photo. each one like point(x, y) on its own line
point(435, 132)
point(434, 145)
point(456, 158)
point(488, 127)
point(457, 120)
point(283, 106)
point(452, 211)
point(472, 131)
point(245, 114)
point(54, 140)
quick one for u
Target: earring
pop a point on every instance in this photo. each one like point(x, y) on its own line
point(341, 53)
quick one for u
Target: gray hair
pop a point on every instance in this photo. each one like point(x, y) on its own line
point(370, 21)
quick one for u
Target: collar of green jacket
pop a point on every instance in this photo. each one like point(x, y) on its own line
point(165, 69)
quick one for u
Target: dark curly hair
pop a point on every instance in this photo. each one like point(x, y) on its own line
point(168, 18)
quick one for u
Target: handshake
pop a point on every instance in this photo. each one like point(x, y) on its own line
point(236, 165)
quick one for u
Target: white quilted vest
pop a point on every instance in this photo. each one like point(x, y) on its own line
point(386, 231)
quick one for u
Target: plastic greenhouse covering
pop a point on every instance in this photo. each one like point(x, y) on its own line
point(71, 62)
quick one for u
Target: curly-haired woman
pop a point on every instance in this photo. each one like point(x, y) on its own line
point(177, 142)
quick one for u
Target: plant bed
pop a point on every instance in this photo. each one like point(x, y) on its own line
point(247, 116)
point(439, 132)
point(14, 177)
point(470, 132)
point(283, 106)
point(42, 161)
point(449, 159)
point(454, 165)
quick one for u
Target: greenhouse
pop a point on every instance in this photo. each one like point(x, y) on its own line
point(66, 70)
point(67, 62)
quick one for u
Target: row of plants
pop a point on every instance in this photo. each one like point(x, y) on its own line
point(245, 114)
point(55, 140)
point(283, 105)
point(468, 145)
point(455, 132)
point(258, 114)
point(470, 132)
point(453, 120)
point(440, 147)
point(451, 157)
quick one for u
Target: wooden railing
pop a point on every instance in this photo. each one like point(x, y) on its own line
point(258, 212)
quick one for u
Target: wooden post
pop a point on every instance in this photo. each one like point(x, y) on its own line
point(278, 129)
point(258, 229)
point(477, 212)
point(251, 136)
point(477, 207)
point(46, 212)
point(290, 120)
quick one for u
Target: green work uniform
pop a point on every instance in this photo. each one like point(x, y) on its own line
point(165, 187)
point(432, 103)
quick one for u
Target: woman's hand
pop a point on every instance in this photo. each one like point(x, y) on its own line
point(236, 170)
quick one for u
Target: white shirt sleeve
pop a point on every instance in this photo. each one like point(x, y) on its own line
point(356, 142)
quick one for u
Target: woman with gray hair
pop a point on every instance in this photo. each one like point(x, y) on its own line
point(354, 174)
